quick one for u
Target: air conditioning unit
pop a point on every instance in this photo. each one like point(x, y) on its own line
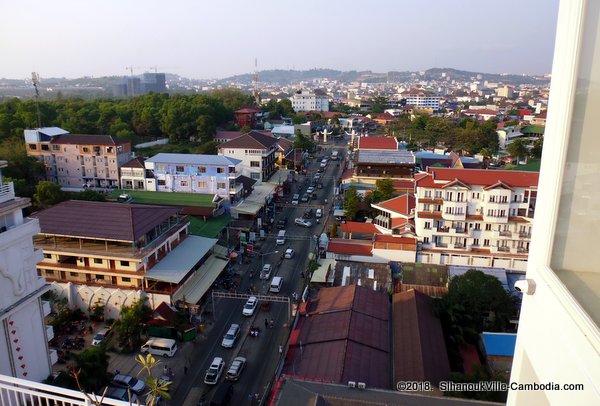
point(362, 385)
point(351, 384)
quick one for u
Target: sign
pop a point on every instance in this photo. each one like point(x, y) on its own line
point(250, 247)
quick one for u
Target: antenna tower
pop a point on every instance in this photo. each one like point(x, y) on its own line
point(255, 83)
point(35, 79)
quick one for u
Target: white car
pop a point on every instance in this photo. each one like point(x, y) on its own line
point(266, 271)
point(214, 372)
point(250, 306)
point(230, 338)
point(302, 222)
point(235, 369)
point(289, 253)
point(310, 190)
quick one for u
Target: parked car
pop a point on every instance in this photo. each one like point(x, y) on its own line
point(214, 372)
point(319, 185)
point(265, 273)
point(282, 223)
point(129, 382)
point(295, 199)
point(231, 336)
point(305, 198)
point(119, 393)
point(310, 190)
point(289, 253)
point(235, 369)
point(302, 222)
point(250, 306)
point(101, 335)
point(319, 213)
point(307, 213)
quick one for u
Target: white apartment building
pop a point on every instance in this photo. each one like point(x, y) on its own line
point(558, 341)
point(421, 99)
point(475, 217)
point(304, 100)
point(256, 151)
point(23, 334)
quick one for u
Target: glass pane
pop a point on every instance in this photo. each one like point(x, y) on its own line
point(578, 225)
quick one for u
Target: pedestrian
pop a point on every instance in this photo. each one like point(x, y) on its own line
point(266, 322)
point(165, 369)
point(185, 369)
point(117, 372)
point(280, 349)
point(272, 323)
point(171, 374)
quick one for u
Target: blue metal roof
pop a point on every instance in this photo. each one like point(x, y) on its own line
point(193, 159)
point(499, 344)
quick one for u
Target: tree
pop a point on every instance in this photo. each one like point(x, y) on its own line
point(378, 104)
point(517, 149)
point(384, 190)
point(47, 194)
point(92, 365)
point(351, 202)
point(233, 98)
point(536, 151)
point(90, 195)
point(302, 142)
point(129, 325)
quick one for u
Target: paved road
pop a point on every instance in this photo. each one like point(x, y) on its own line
point(261, 352)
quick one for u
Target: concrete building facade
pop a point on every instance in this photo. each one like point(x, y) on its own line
point(305, 100)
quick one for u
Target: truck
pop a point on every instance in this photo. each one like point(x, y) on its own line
point(334, 155)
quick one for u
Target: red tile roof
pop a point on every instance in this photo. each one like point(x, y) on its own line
point(358, 227)
point(481, 112)
point(350, 247)
point(137, 162)
point(254, 140)
point(404, 184)
point(377, 143)
point(481, 177)
point(395, 239)
point(402, 204)
point(401, 222)
point(227, 135)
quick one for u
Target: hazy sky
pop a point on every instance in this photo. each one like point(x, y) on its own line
point(218, 38)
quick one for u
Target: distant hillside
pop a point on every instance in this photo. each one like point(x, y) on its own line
point(436, 74)
point(282, 77)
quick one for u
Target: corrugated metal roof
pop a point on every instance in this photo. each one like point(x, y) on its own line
point(385, 156)
point(51, 131)
point(194, 159)
point(102, 220)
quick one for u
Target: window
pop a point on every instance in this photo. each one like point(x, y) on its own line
point(477, 226)
point(438, 194)
point(179, 168)
point(486, 243)
point(73, 274)
point(476, 242)
point(47, 256)
point(124, 263)
point(220, 170)
point(49, 271)
point(86, 149)
point(221, 185)
point(255, 164)
point(100, 277)
point(426, 207)
point(183, 183)
point(488, 227)
point(425, 240)
point(427, 194)
point(32, 147)
point(54, 147)
point(428, 225)
point(126, 279)
point(97, 261)
point(161, 182)
point(255, 175)
point(202, 185)
point(202, 169)
point(475, 195)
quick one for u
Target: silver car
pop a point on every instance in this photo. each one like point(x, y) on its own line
point(235, 369)
point(230, 338)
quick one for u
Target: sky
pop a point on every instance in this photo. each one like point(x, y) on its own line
point(205, 39)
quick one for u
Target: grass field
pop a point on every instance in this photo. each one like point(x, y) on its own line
point(166, 198)
point(209, 228)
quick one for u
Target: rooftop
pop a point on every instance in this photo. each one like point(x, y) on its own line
point(254, 139)
point(393, 157)
point(377, 143)
point(437, 177)
point(193, 159)
point(404, 204)
point(88, 139)
point(167, 198)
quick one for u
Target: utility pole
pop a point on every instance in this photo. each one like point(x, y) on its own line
point(35, 78)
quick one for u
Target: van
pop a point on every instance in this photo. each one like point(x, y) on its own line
point(100, 336)
point(276, 284)
point(280, 238)
point(165, 347)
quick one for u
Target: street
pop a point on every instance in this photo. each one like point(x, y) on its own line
point(262, 352)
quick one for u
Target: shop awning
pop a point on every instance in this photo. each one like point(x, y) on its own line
point(202, 279)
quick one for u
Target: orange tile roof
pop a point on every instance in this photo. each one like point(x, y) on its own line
point(395, 239)
point(404, 184)
point(358, 227)
point(350, 247)
point(480, 177)
point(377, 143)
point(399, 222)
point(401, 204)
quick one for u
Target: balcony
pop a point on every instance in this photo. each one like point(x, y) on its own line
point(46, 309)
point(7, 191)
point(523, 250)
point(443, 229)
point(17, 391)
point(459, 246)
point(503, 249)
point(49, 332)
point(53, 356)
point(503, 233)
point(441, 245)
point(524, 235)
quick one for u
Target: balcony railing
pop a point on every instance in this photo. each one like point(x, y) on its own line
point(505, 233)
point(16, 392)
point(524, 235)
point(49, 332)
point(522, 250)
point(441, 245)
point(7, 191)
point(504, 249)
point(443, 229)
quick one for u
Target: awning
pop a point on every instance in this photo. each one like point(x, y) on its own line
point(320, 274)
point(181, 260)
point(199, 283)
point(339, 213)
point(247, 207)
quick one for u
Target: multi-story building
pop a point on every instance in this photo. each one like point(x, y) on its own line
point(133, 174)
point(256, 151)
point(24, 336)
point(78, 160)
point(475, 217)
point(421, 99)
point(194, 173)
point(111, 254)
point(305, 100)
point(369, 165)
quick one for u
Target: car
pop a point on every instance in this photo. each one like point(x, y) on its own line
point(321, 170)
point(250, 306)
point(235, 369)
point(305, 198)
point(214, 372)
point(302, 222)
point(296, 199)
point(119, 393)
point(101, 336)
point(231, 336)
point(317, 176)
point(307, 213)
point(319, 213)
point(319, 185)
point(265, 273)
point(289, 253)
point(129, 382)
point(310, 190)
point(282, 223)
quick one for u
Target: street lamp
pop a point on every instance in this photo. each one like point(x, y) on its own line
point(262, 257)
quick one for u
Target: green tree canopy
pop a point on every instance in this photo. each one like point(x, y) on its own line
point(351, 202)
point(384, 190)
point(517, 149)
point(47, 194)
point(536, 151)
point(129, 326)
point(302, 142)
point(379, 104)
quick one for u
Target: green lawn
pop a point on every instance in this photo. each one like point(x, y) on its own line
point(166, 198)
point(209, 228)
point(532, 166)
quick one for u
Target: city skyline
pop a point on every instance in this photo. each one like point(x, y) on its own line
point(203, 41)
